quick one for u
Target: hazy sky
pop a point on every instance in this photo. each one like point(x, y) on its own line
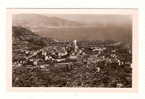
point(95, 18)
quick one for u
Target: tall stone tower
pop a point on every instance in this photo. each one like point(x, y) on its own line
point(75, 46)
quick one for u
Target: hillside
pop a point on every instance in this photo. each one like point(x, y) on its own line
point(36, 63)
point(27, 37)
point(26, 40)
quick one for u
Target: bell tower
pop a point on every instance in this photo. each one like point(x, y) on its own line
point(75, 46)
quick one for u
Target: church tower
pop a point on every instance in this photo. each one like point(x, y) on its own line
point(75, 46)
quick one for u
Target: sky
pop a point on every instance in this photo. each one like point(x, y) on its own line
point(92, 18)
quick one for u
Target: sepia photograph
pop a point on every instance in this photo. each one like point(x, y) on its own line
point(73, 48)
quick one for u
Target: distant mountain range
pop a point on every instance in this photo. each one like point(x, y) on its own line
point(37, 21)
point(63, 29)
